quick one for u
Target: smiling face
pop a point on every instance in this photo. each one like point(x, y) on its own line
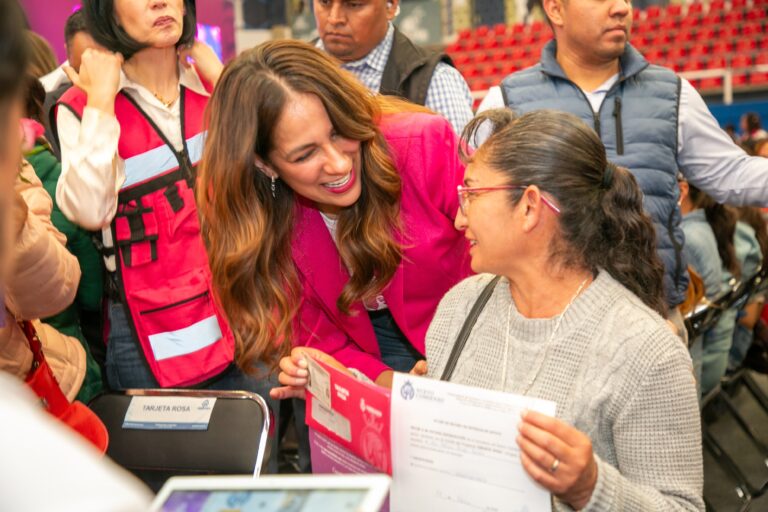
point(592, 29)
point(311, 158)
point(156, 23)
point(350, 29)
point(490, 222)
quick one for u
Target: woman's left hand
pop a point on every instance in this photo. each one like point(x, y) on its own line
point(205, 60)
point(559, 457)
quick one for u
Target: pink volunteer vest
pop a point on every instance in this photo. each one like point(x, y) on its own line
point(162, 265)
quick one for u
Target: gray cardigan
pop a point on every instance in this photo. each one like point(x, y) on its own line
point(616, 372)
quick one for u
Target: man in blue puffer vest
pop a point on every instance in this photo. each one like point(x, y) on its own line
point(650, 120)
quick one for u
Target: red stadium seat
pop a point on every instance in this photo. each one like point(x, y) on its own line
point(757, 13)
point(674, 66)
point(471, 71)
point(518, 28)
point(482, 31)
point(507, 68)
point(511, 40)
point(500, 55)
point(480, 84)
point(676, 53)
point(461, 59)
point(519, 52)
point(716, 5)
point(645, 27)
point(481, 56)
point(684, 36)
point(752, 28)
point(661, 39)
point(699, 50)
point(674, 10)
point(706, 34)
point(473, 44)
point(738, 4)
point(741, 61)
point(500, 29)
point(733, 17)
point(654, 55)
point(454, 48)
point(640, 41)
point(721, 47)
point(538, 26)
point(695, 8)
point(669, 24)
point(690, 22)
point(653, 12)
point(711, 19)
point(729, 31)
point(746, 45)
point(711, 83)
point(762, 59)
point(739, 79)
point(490, 42)
point(465, 34)
point(490, 70)
point(717, 62)
point(758, 79)
point(693, 65)
point(529, 39)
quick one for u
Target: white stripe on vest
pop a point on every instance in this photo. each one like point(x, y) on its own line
point(158, 161)
point(187, 340)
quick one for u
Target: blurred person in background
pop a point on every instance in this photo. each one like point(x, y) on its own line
point(35, 446)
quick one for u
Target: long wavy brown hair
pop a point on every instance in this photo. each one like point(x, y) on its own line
point(248, 231)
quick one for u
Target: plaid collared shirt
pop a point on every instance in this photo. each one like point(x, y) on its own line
point(448, 92)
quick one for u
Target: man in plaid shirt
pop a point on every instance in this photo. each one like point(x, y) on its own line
point(360, 34)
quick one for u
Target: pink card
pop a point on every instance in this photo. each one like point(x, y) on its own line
point(353, 413)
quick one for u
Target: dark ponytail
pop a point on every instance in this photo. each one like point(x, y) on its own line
point(625, 244)
point(722, 220)
point(602, 221)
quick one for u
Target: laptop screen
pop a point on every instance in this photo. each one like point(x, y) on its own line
point(260, 500)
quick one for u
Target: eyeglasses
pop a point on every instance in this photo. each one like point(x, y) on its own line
point(465, 193)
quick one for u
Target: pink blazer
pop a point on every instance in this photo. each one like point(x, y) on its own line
point(435, 258)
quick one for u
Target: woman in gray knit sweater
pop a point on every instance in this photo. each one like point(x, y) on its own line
point(576, 317)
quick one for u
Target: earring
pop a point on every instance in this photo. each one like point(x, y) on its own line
point(272, 187)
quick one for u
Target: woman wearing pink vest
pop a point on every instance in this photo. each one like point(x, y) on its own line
point(328, 213)
point(131, 135)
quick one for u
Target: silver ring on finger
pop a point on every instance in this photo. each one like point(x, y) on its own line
point(555, 465)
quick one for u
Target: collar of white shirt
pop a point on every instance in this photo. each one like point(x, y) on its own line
point(188, 77)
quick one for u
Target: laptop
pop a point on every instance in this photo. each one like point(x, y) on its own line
point(286, 493)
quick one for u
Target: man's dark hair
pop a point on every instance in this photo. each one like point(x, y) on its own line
point(101, 24)
point(75, 23)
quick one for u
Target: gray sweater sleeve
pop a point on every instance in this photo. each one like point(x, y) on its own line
point(657, 441)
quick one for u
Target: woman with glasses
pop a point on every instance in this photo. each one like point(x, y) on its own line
point(328, 215)
point(559, 237)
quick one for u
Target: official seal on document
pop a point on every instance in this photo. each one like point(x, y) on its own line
point(407, 391)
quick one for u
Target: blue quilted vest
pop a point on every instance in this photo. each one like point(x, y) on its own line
point(637, 123)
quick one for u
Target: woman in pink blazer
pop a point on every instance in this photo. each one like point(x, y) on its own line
point(328, 212)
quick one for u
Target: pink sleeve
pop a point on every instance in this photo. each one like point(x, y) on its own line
point(314, 329)
point(445, 170)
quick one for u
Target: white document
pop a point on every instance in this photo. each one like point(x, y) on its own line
point(454, 449)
